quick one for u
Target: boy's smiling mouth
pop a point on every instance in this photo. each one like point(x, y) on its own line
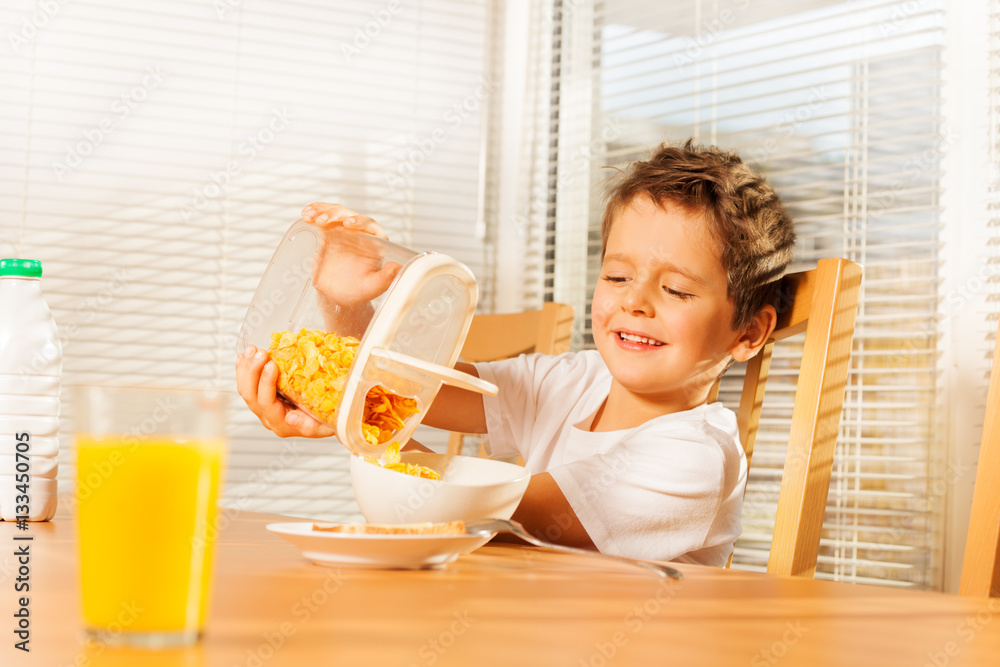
point(633, 340)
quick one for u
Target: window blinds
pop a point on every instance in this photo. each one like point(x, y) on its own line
point(970, 294)
point(838, 103)
point(152, 154)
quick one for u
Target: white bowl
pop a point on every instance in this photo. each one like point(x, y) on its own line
point(469, 488)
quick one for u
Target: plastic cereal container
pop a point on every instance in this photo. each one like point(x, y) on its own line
point(409, 311)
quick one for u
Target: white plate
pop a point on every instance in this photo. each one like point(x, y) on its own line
point(397, 552)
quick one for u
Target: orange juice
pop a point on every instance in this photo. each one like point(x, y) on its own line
point(147, 521)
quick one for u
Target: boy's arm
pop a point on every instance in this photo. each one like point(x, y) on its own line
point(546, 513)
point(457, 409)
point(454, 410)
point(257, 378)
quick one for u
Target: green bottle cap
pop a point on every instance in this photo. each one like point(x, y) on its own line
point(32, 268)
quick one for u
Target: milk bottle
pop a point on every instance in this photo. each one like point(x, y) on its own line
point(30, 368)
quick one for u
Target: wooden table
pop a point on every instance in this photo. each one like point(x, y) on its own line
point(501, 605)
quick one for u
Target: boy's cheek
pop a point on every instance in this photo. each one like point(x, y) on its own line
point(599, 318)
point(601, 306)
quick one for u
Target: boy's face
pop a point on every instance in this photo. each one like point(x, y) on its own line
point(661, 315)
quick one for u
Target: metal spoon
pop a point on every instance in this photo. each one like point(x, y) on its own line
point(490, 526)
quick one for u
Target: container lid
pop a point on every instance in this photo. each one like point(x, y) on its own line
point(31, 268)
point(410, 311)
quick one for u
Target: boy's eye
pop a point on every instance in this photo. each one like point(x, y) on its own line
point(614, 279)
point(677, 294)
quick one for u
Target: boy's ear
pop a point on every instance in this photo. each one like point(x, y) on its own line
point(755, 335)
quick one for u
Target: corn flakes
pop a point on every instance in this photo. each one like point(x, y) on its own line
point(313, 369)
point(393, 462)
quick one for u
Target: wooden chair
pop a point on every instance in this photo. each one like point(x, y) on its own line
point(823, 303)
point(503, 336)
point(981, 564)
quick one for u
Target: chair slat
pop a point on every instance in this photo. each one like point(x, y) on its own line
point(832, 293)
point(752, 398)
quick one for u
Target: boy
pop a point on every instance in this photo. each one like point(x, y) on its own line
point(627, 456)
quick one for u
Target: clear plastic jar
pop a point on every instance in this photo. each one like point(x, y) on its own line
point(410, 312)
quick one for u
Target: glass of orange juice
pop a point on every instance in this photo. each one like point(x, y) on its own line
point(148, 468)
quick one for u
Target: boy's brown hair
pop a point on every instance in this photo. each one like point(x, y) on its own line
point(744, 213)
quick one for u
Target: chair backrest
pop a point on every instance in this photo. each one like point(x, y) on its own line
point(823, 303)
point(493, 337)
point(503, 336)
point(981, 565)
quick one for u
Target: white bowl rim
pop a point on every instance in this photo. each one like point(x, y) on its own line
point(523, 472)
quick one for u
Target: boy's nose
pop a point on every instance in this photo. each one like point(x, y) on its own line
point(636, 299)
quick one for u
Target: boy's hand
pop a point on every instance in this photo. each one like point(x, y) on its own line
point(349, 270)
point(331, 215)
point(257, 382)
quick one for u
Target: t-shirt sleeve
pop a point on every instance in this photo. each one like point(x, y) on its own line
point(510, 415)
point(501, 439)
point(652, 497)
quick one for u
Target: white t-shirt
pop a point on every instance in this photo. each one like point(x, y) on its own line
point(669, 489)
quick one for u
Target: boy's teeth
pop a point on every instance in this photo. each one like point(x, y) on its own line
point(639, 339)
